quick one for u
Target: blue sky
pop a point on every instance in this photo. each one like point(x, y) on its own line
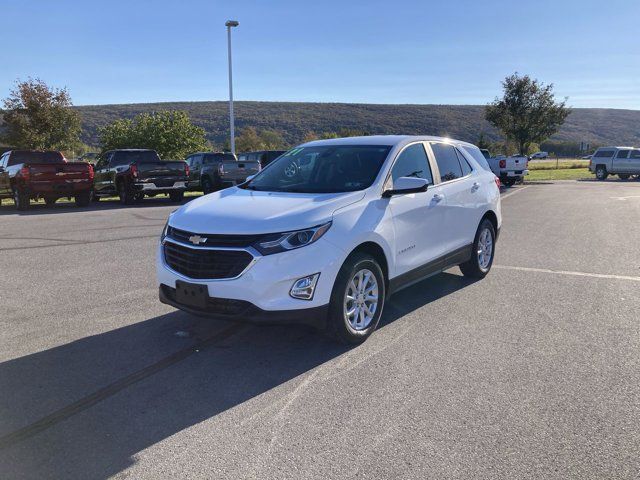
point(344, 51)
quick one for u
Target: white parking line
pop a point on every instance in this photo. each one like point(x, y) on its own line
point(514, 192)
point(567, 272)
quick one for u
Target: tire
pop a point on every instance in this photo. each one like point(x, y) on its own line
point(83, 199)
point(509, 182)
point(478, 266)
point(342, 326)
point(176, 196)
point(50, 201)
point(125, 194)
point(138, 197)
point(21, 199)
point(601, 172)
point(624, 176)
point(207, 187)
point(94, 197)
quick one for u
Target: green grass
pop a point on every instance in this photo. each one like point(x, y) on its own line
point(562, 164)
point(560, 174)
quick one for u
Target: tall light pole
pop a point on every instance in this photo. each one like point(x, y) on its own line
point(230, 24)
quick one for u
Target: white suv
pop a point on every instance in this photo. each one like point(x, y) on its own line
point(329, 230)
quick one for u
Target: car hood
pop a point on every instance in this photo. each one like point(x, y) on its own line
point(239, 211)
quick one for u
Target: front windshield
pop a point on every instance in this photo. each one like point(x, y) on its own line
point(322, 169)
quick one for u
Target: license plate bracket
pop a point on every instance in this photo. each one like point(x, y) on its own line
point(192, 294)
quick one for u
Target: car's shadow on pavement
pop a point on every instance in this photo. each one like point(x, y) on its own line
point(102, 437)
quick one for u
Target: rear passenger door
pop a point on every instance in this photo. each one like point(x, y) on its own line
point(621, 162)
point(461, 191)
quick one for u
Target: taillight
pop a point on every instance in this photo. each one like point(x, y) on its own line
point(25, 173)
point(90, 172)
point(186, 169)
point(503, 164)
point(134, 170)
point(498, 183)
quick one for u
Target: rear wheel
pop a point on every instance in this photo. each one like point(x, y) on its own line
point(176, 196)
point(509, 182)
point(601, 172)
point(21, 199)
point(83, 199)
point(357, 299)
point(125, 194)
point(207, 187)
point(138, 197)
point(94, 197)
point(483, 251)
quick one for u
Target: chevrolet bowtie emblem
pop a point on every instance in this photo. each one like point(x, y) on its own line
point(197, 239)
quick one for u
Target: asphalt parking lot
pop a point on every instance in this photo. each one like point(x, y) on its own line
point(533, 372)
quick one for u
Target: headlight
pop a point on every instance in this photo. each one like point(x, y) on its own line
point(281, 242)
point(165, 231)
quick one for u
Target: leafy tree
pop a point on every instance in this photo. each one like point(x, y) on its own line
point(527, 112)
point(482, 141)
point(40, 118)
point(250, 140)
point(170, 133)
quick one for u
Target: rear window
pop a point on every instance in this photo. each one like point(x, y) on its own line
point(34, 157)
point(604, 154)
point(478, 156)
point(142, 156)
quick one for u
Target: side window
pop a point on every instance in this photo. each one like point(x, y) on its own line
point(604, 154)
point(412, 162)
point(3, 160)
point(196, 161)
point(479, 156)
point(635, 154)
point(447, 161)
point(622, 154)
point(117, 159)
point(466, 168)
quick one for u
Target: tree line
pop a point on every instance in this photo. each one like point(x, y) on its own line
point(39, 117)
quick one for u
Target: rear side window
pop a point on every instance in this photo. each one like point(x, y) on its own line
point(447, 161)
point(635, 154)
point(622, 154)
point(466, 168)
point(479, 156)
point(412, 162)
point(604, 154)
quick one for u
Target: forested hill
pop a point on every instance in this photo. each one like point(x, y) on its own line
point(294, 120)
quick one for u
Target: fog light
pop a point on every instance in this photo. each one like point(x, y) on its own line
point(303, 288)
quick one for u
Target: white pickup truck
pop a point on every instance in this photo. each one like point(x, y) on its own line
point(508, 169)
point(621, 161)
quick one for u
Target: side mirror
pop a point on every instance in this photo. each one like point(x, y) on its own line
point(404, 185)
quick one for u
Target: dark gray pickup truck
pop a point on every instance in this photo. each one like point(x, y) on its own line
point(133, 174)
point(211, 171)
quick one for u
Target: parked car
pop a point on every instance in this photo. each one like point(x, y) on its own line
point(508, 169)
point(133, 173)
point(212, 171)
point(621, 161)
point(539, 155)
point(361, 218)
point(265, 157)
point(30, 174)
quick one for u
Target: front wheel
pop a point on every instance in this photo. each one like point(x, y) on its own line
point(357, 299)
point(207, 187)
point(481, 260)
point(624, 176)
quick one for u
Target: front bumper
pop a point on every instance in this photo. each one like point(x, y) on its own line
point(240, 310)
point(266, 283)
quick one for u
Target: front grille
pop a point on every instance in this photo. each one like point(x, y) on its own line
point(214, 240)
point(203, 264)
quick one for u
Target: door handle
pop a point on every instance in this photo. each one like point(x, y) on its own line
point(438, 197)
point(475, 186)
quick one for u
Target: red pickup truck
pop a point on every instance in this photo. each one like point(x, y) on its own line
point(29, 174)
